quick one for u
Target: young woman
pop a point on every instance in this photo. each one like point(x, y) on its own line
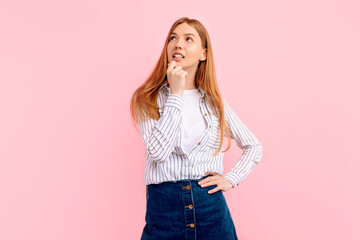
point(183, 120)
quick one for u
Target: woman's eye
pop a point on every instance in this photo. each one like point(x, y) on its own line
point(174, 36)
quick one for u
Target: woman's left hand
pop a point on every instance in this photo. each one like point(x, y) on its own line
point(216, 179)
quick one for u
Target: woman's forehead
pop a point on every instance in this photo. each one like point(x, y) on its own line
point(185, 29)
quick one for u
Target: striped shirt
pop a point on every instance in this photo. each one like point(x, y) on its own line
point(165, 160)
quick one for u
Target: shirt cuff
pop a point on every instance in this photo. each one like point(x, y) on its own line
point(174, 100)
point(233, 178)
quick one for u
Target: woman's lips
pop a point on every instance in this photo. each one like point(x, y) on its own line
point(177, 59)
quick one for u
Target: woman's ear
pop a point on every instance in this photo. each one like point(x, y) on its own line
point(204, 55)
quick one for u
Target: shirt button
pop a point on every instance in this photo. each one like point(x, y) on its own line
point(209, 126)
point(188, 187)
point(191, 206)
point(205, 114)
point(198, 143)
point(192, 225)
point(202, 101)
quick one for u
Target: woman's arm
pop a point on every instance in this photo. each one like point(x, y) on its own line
point(245, 139)
point(159, 135)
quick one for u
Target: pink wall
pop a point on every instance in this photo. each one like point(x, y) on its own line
point(71, 164)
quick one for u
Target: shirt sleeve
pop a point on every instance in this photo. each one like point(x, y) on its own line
point(159, 135)
point(245, 139)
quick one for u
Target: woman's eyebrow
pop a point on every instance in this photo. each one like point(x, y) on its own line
point(184, 34)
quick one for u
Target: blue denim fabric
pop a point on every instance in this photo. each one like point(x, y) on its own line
point(183, 210)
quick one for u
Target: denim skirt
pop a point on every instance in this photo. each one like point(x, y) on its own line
point(183, 210)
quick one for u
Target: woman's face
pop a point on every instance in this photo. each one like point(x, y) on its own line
point(185, 40)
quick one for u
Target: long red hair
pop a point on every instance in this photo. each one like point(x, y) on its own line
point(144, 99)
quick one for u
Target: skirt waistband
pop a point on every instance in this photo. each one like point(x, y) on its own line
point(181, 181)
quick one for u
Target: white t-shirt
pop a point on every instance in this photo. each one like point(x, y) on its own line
point(193, 122)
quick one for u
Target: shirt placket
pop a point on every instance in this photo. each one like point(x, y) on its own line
point(205, 135)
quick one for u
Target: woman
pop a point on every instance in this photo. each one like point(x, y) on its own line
point(180, 113)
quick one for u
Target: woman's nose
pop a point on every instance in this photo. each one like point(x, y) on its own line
point(178, 44)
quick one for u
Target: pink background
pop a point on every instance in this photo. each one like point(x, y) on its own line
point(72, 164)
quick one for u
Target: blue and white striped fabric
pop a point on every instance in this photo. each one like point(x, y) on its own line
point(165, 160)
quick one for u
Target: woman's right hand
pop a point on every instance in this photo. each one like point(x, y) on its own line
point(176, 78)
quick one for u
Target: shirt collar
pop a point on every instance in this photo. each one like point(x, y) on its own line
point(166, 89)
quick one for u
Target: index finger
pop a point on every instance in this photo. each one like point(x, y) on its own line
point(172, 64)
